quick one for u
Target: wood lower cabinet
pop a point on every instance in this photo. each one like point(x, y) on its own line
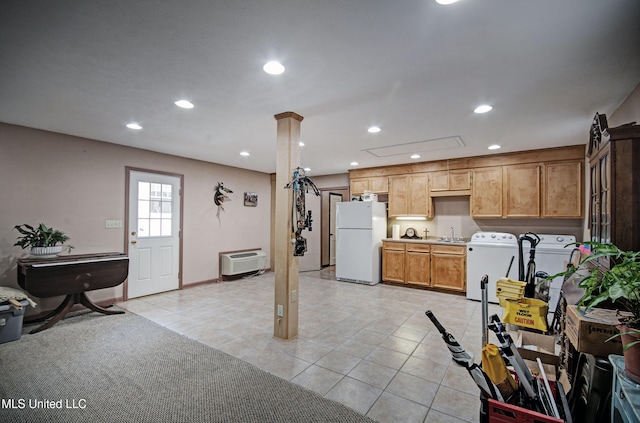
point(424, 264)
point(449, 267)
point(393, 261)
point(418, 264)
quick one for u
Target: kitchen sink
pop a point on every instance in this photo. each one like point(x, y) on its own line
point(453, 240)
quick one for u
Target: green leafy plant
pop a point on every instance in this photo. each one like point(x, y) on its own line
point(39, 236)
point(619, 284)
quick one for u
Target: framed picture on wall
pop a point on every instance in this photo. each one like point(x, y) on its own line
point(250, 199)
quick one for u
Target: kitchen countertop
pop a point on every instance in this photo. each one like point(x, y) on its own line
point(429, 240)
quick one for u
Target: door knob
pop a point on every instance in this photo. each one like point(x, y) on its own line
point(134, 242)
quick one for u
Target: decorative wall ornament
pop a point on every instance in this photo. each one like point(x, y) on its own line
point(220, 196)
point(250, 199)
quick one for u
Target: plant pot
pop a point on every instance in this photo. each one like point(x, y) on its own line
point(46, 252)
point(632, 355)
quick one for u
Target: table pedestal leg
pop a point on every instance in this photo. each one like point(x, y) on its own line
point(59, 313)
point(64, 308)
point(85, 301)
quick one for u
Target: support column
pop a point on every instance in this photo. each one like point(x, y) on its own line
point(286, 265)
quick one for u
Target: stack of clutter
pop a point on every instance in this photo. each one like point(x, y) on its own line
point(507, 385)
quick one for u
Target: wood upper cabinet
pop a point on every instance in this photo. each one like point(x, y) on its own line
point(393, 261)
point(409, 196)
point(376, 184)
point(531, 190)
point(450, 180)
point(398, 195)
point(449, 267)
point(522, 190)
point(486, 192)
point(562, 194)
point(439, 181)
point(418, 264)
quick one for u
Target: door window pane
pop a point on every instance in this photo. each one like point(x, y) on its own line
point(154, 209)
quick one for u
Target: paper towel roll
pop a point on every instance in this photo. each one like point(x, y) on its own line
point(395, 231)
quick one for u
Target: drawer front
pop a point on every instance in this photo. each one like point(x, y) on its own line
point(387, 245)
point(449, 249)
point(421, 248)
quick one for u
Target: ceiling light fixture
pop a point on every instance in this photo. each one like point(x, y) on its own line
point(354, 163)
point(446, 2)
point(300, 143)
point(184, 104)
point(415, 156)
point(134, 125)
point(273, 68)
point(483, 109)
point(244, 153)
point(373, 130)
point(493, 147)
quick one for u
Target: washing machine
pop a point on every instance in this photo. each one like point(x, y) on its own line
point(552, 256)
point(491, 254)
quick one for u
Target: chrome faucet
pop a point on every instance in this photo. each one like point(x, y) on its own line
point(452, 233)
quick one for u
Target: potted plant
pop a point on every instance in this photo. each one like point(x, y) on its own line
point(619, 285)
point(41, 240)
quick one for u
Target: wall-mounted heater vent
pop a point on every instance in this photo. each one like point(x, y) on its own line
point(237, 263)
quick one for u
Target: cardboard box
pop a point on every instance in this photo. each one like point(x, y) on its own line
point(588, 330)
point(535, 345)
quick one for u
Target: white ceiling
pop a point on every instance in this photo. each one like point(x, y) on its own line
point(413, 67)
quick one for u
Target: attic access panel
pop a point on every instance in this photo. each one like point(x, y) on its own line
point(417, 147)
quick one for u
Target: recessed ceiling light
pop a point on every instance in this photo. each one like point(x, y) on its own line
point(415, 156)
point(445, 2)
point(134, 125)
point(244, 153)
point(494, 147)
point(300, 143)
point(273, 68)
point(374, 129)
point(483, 109)
point(354, 163)
point(185, 104)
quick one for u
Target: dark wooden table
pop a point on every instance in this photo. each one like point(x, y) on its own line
point(71, 276)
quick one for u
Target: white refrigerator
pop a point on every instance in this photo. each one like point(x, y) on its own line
point(360, 228)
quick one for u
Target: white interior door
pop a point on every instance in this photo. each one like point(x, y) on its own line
point(333, 199)
point(154, 238)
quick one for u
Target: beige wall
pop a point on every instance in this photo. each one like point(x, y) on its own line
point(75, 184)
point(629, 110)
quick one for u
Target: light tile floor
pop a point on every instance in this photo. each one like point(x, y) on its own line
point(369, 347)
